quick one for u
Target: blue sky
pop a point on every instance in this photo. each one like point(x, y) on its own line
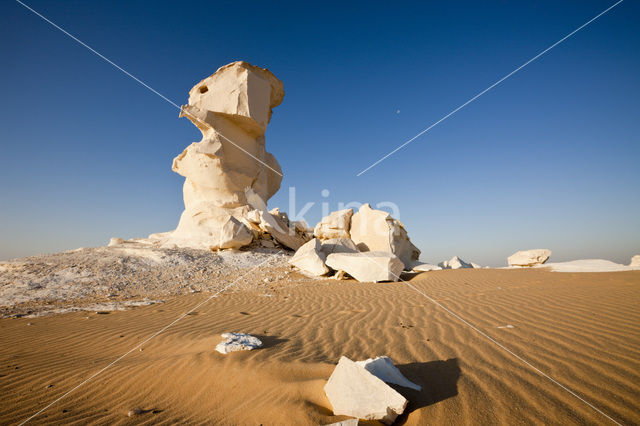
point(548, 159)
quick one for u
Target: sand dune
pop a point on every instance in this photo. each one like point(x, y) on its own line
point(582, 329)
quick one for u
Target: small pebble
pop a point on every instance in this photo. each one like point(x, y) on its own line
point(48, 386)
point(135, 412)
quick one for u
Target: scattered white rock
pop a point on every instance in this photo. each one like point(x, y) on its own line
point(238, 342)
point(529, 257)
point(336, 225)
point(338, 245)
point(382, 367)
point(354, 391)
point(373, 266)
point(309, 258)
point(455, 263)
point(423, 267)
point(588, 265)
point(376, 230)
point(281, 232)
point(506, 326)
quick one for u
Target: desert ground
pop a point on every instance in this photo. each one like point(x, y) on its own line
point(582, 329)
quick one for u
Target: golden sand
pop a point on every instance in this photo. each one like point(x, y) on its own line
point(581, 329)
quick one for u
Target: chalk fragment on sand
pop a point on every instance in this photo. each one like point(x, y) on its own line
point(237, 342)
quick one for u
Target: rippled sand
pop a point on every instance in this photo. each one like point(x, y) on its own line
point(581, 329)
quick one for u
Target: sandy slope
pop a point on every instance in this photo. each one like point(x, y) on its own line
point(583, 329)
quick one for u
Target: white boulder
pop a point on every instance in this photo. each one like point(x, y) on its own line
point(455, 263)
point(635, 261)
point(376, 230)
point(238, 342)
point(354, 391)
point(529, 257)
point(338, 245)
point(372, 266)
point(280, 230)
point(382, 367)
point(309, 258)
point(336, 225)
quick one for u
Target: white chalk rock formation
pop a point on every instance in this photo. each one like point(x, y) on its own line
point(376, 230)
point(635, 261)
point(237, 342)
point(309, 258)
point(455, 263)
point(336, 225)
point(354, 391)
point(338, 245)
point(529, 257)
point(228, 173)
point(372, 266)
point(382, 367)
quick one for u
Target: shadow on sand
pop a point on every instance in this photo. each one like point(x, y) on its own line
point(439, 381)
point(269, 341)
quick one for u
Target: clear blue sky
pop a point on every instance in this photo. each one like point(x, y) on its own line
point(548, 159)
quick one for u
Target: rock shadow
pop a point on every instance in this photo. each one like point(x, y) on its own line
point(439, 381)
point(269, 341)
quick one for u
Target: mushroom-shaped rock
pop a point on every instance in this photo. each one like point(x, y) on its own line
point(354, 391)
point(336, 225)
point(376, 230)
point(229, 172)
point(338, 245)
point(455, 263)
point(371, 266)
point(529, 257)
point(309, 258)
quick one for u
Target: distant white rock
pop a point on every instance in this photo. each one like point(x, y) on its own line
point(424, 267)
point(338, 245)
point(238, 342)
point(635, 261)
point(354, 391)
point(115, 242)
point(589, 265)
point(529, 257)
point(309, 258)
point(455, 263)
point(371, 266)
point(382, 367)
